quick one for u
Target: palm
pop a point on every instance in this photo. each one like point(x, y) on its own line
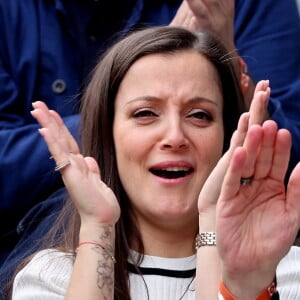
point(257, 223)
point(94, 200)
point(263, 226)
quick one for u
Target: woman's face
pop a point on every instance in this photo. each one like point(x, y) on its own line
point(168, 134)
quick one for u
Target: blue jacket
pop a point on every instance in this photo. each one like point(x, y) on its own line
point(45, 55)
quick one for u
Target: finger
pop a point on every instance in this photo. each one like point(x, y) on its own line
point(92, 165)
point(233, 175)
point(225, 8)
point(259, 102)
point(42, 115)
point(65, 135)
point(256, 112)
point(293, 194)
point(239, 135)
point(216, 17)
point(183, 16)
point(211, 190)
point(51, 119)
point(58, 138)
point(59, 153)
point(85, 165)
point(264, 159)
point(251, 145)
point(91, 196)
point(198, 18)
point(76, 172)
point(199, 8)
point(281, 155)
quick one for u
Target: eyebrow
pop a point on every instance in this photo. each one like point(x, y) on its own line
point(203, 99)
point(191, 100)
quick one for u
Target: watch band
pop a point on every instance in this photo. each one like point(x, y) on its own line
point(207, 238)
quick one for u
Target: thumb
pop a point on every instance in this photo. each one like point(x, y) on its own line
point(92, 165)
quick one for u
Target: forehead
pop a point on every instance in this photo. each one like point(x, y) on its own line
point(173, 74)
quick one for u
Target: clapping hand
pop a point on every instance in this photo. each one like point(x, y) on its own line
point(257, 219)
point(214, 16)
point(95, 201)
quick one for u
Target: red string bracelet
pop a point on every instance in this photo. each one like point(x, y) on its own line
point(99, 246)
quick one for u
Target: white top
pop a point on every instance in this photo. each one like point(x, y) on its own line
point(160, 284)
point(47, 276)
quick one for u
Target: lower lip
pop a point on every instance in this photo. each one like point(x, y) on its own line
point(172, 181)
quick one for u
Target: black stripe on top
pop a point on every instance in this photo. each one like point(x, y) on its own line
point(161, 272)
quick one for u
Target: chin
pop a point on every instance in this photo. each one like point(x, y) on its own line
point(177, 213)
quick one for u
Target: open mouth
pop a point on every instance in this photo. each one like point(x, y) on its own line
point(171, 173)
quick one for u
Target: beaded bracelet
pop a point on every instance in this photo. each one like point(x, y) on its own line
point(99, 246)
point(270, 293)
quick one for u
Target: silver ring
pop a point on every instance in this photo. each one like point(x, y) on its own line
point(62, 165)
point(246, 181)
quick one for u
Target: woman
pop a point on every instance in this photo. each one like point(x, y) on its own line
point(157, 116)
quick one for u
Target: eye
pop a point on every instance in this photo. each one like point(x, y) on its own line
point(200, 115)
point(144, 113)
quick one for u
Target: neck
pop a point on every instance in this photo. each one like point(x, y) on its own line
point(168, 242)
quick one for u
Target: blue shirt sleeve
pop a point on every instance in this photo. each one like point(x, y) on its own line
point(26, 172)
point(267, 35)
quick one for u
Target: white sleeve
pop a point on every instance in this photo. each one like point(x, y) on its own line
point(288, 275)
point(45, 277)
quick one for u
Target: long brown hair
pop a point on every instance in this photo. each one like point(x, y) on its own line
point(97, 116)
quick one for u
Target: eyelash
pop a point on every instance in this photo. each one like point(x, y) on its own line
point(144, 113)
point(147, 113)
point(203, 115)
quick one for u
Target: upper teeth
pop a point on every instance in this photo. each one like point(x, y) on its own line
point(176, 169)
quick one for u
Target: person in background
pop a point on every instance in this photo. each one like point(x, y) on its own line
point(47, 48)
point(165, 168)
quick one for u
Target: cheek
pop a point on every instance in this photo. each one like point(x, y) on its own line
point(129, 149)
point(211, 147)
point(131, 156)
point(124, 158)
point(123, 148)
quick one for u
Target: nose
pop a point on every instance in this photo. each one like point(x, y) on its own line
point(174, 137)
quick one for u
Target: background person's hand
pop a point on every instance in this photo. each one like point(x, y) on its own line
point(214, 16)
point(96, 203)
